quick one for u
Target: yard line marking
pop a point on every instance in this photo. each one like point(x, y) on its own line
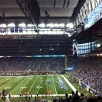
point(18, 84)
point(54, 85)
point(39, 88)
point(47, 82)
point(73, 88)
point(32, 84)
point(24, 86)
point(7, 83)
point(14, 83)
point(3, 80)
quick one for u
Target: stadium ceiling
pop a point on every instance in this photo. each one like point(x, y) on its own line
point(37, 12)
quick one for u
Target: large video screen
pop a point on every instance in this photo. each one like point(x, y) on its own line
point(85, 48)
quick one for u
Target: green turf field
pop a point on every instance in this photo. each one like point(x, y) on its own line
point(33, 84)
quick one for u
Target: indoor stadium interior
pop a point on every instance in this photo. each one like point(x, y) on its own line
point(50, 51)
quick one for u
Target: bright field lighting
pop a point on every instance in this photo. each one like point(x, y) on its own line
point(22, 25)
point(30, 25)
point(56, 25)
point(50, 25)
point(61, 25)
point(11, 25)
point(3, 25)
point(70, 25)
point(42, 25)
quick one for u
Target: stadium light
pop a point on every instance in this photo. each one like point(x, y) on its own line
point(50, 25)
point(1, 56)
point(56, 25)
point(69, 35)
point(3, 25)
point(70, 25)
point(61, 25)
point(11, 25)
point(41, 32)
point(30, 25)
point(98, 45)
point(42, 25)
point(22, 25)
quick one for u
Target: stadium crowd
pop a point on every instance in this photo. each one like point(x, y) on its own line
point(34, 64)
point(89, 70)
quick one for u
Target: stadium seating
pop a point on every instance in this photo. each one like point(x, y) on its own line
point(22, 64)
point(89, 70)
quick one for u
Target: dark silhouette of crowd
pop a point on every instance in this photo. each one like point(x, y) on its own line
point(73, 97)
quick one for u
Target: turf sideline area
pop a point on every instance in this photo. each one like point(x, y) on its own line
point(73, 88)
point(38, 95)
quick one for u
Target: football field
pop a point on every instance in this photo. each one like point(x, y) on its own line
point(37, 84)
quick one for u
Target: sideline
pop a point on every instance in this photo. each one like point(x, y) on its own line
point(73, 88)
point(39, 95)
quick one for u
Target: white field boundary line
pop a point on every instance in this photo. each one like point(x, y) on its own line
point(18, 84)
point(2, 80)
point(6, 83)
point(32, 84)
point(14, 83)
point(39, 95)
point(72, 87)
point(54, 85)
point(25, 85)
